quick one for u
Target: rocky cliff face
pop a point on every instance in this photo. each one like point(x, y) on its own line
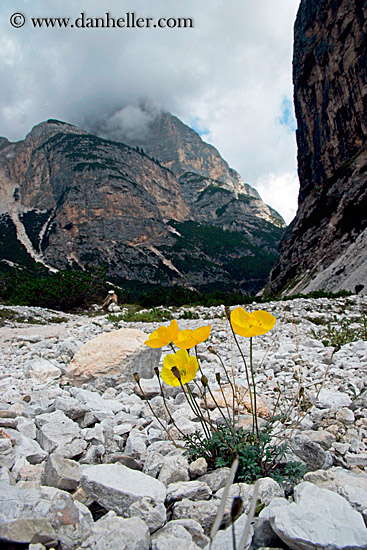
point(69, 198)
point(320, 249)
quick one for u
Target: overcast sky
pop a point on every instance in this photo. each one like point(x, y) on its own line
point(229, 77)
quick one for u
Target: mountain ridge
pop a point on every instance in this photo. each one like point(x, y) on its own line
point(73, 199)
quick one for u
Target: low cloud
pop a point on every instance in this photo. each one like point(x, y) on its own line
point(230, 75)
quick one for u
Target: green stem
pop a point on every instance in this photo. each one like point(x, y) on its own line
point(247, 374)
point(254, 386)
point(233, 393)
point(211, 393)
point(166, 407)
point(155, 415)
point(193, 405)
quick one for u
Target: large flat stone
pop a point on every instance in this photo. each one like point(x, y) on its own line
point(116, 487)
point(319, 519)
point(119, 354)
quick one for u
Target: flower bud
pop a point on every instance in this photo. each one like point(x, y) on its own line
point(227, 311)
point(212, 350)
point(176, 372)
point(136, 377)
point(156, 370)
point(236, 508)
point(217, 376)
point(204, 381)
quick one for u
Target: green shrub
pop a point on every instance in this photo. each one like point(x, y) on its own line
point(340, 332)
point(257, 456)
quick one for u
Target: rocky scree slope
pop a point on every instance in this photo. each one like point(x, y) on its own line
point(325, 246)
point(68, 452)
point(69, 198)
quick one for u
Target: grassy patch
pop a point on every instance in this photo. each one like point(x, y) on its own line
point(342, 331)
point(152, 316)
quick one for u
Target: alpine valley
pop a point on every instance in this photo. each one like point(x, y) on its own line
point(162, 208)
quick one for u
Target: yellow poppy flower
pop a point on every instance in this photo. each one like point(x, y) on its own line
point(163, 335)
point(251, 324)
point(188, 338)
point(187, 366)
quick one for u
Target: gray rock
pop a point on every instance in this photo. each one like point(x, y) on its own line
point(353, 459)
point(153, 463)
point(24, 471)
point(331, 399)
point(223, 539)
point(311, 453)
point(26, 427)
point(28, 530)
point(173, 537)
point(58, 433)
point(193, 490)
point(198, 468)
point(175, 468)
point(23, 516)
point(345, 416)
point(153, 514)
point(116, 487)
point(71, 520)
point(195, 529)
point(111, 532)
point(61, 472)
point(304, 525)
point(216, 479)
point(72, 407)
point(95, 403)
point(43, 370)
point(351, 486)
point(136, 445)
point(6, 476)
point(7, 454)
point(30, 449)
point(202, 511)
point(264, 535)
point(322, 437)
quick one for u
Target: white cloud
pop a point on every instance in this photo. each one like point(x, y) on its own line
point(231, 74)
point(280, 191)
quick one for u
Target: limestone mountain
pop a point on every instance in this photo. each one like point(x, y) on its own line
point(325, 247)
point(71, 199)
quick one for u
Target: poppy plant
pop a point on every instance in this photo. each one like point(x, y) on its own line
point(163, 335)
point(251, 324)
point(188, 338)
point(186, 365)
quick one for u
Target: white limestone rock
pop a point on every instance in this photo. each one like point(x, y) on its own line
point(58, 433)
point(116, 487)
point(111, 532)
point(317, 520)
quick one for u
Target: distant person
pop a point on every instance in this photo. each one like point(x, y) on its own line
point(110, 302)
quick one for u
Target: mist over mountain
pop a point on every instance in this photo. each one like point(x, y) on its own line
point(155, 204)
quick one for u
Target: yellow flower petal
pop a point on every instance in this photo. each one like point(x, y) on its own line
point(251, 324)
point(187, 366)
point(163, 335)
point(188, 338)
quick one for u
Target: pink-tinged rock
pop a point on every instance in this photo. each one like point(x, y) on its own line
point(118, 354)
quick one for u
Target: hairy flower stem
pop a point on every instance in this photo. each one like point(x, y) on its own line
point(254, 386)
point(211, 393)
point(165, 404)
point(232, 428)
point(155, 415)
point(232, 388)
point(194, 407)
point(247, 375)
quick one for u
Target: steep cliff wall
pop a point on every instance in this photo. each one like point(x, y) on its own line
point(330, 92)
